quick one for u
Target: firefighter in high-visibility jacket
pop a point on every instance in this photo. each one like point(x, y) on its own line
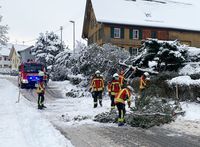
point(121, 97)
point(115, 87)
point(144, 80)
point(41, 91)
point(97, 87)
point(121, 78)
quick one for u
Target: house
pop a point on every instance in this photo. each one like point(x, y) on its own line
point(14, 55)
point(127, 23)
point(25, 54)
point(4, 58)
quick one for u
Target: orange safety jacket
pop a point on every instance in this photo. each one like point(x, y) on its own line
point(115, 87)
point(143, 82)
point(121, 79)
point(41, 88)
point(97, 84)
point(122, 96)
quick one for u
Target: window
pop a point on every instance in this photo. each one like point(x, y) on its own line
point(133, 51)
point(117, 32)
point(135, 34)
point(153, 34)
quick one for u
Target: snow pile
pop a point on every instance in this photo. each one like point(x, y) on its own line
point(23, 126)
point(193, 54)
point(190, 69)
point(183, 80)
point(190, 122)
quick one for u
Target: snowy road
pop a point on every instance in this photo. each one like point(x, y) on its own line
point(21, 125)
point(86, 133)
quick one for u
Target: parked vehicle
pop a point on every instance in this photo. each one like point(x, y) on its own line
point(30, 74)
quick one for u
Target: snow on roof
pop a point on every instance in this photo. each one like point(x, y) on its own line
point(176, 14)
point(18, 47)
point(4, 51)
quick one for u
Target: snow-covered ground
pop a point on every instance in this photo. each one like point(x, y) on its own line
point(74, 111)
point(83, 108)
point(190, 122)
point(21, 125)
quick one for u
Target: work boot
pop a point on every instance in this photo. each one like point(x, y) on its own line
point(40, 107)
point(120, 124)
point(43, 106)
point(100, 103)
point(95, 105)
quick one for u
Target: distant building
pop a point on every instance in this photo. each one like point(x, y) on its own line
point(4, 58)
point(126, 23)
point(25, 55)
point(14, 55)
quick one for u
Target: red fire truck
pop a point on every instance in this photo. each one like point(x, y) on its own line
point(29, 74)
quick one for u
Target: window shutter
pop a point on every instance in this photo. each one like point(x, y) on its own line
point(131, 33)
point(122, 33)
point(112, 32)
point(140, 34)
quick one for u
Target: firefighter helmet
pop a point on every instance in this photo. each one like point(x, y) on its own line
point(115, 75)
point(97, 72)
point(146, 74)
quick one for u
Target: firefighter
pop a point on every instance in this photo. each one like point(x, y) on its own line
point(121, 97)
point(115, 87)
point(97, 87)
point(41, 91)
point(142, 87)
point(121, 78)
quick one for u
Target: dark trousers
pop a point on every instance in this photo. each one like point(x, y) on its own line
point(40, 100)
point(121, 111)
point(112, 98)
point(97, 95)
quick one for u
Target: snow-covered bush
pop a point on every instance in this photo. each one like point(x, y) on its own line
point(48, 45)
point(89, 59)
point(161, 53)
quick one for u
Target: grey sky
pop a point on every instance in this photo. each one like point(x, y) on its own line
point(27, 18)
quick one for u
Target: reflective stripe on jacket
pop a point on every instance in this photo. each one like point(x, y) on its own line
point(115, 87)
point(122, 96)
point(97, 84)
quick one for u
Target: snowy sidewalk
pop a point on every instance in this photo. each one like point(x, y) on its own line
point(21, 125)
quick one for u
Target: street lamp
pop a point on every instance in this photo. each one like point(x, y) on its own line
point(73, 34)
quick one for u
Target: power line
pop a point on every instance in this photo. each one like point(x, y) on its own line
point(55, 31)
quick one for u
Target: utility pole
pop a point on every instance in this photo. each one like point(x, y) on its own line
point(61, 32)
point(73, 35)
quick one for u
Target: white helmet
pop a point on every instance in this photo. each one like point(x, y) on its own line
point(115, 75)
point(130, 88)
point(97, 72)
point(146, 74)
